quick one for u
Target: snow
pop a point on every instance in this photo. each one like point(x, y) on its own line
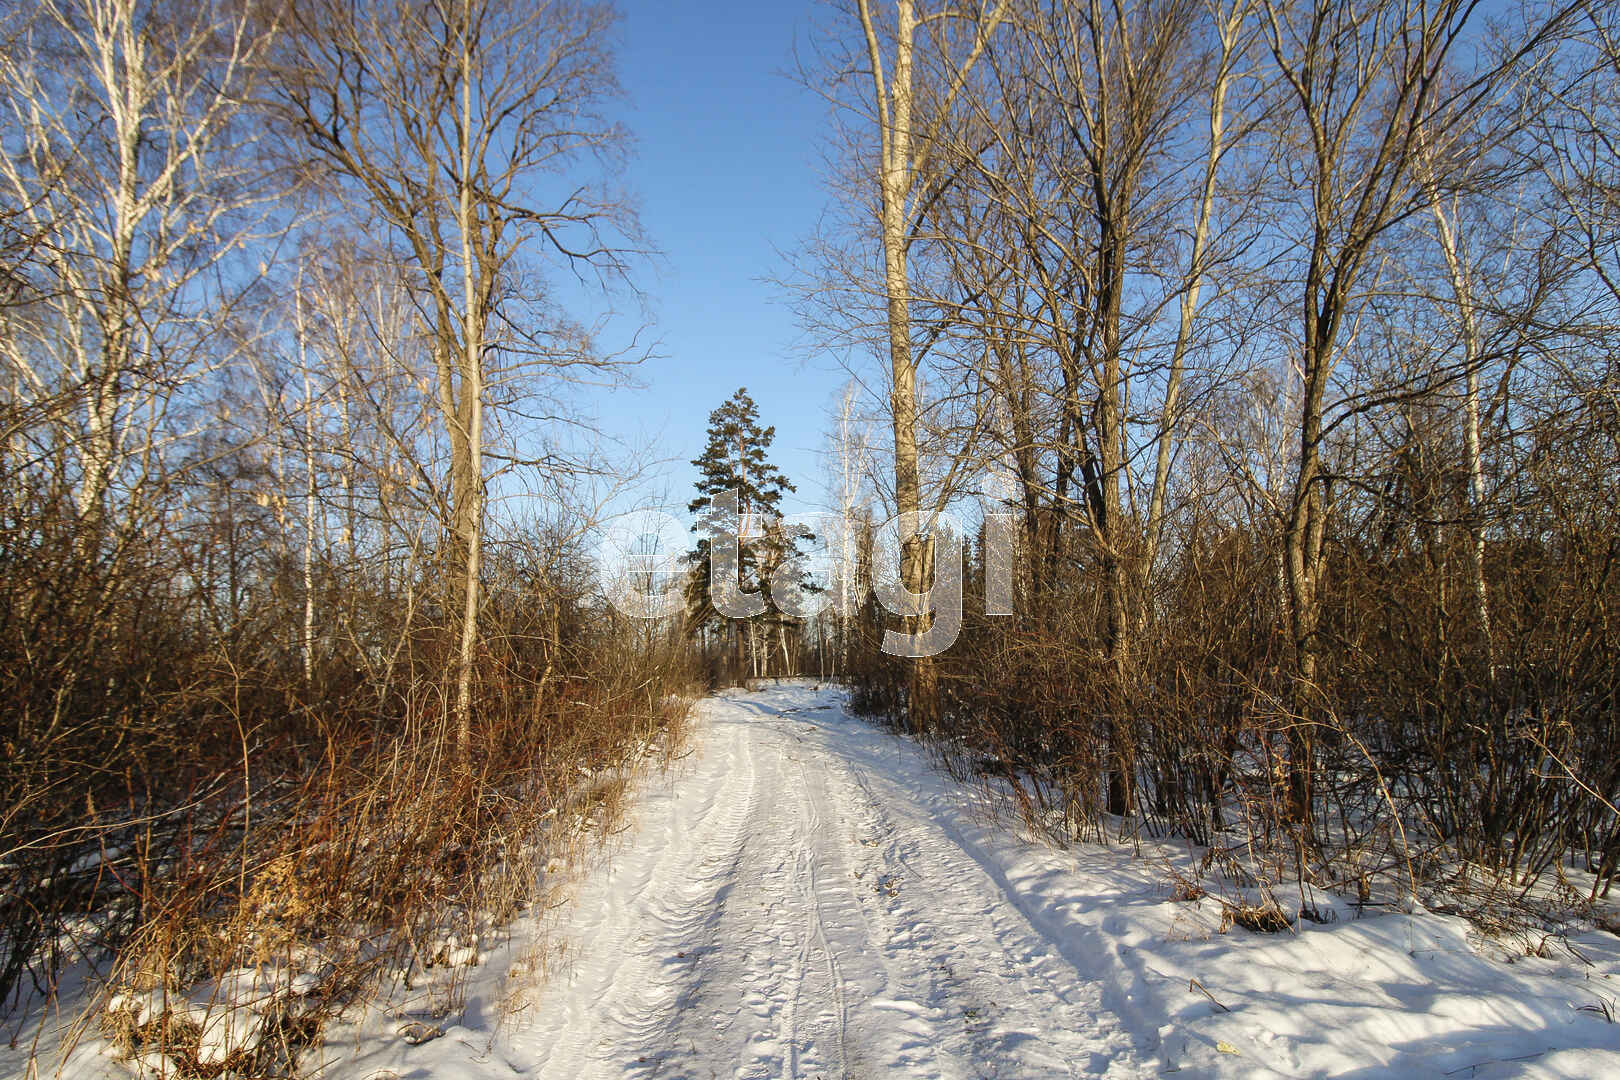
point(805, 895)
point(230, 1016)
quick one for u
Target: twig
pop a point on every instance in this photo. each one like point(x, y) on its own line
point(1194, 984)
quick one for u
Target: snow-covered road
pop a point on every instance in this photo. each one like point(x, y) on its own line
point(805, 895)
point(794, 904)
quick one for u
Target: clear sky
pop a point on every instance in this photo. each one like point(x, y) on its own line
point(728, 174)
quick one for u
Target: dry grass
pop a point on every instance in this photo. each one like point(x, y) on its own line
point(1265, 917)
point(384, 871)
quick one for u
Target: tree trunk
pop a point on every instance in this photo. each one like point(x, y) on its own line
point(307, 643)
point(1305, 564)
point(898, 166)
point(1111, 529)
point(469, 481)
point(1462, 293)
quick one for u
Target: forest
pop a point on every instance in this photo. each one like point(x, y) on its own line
point(1257, 360)
point(1281, 338)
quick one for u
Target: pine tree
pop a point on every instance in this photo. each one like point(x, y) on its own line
point(735, 459)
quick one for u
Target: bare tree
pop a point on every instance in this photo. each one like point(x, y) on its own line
point(915, 77)
point(851, 466)
point(450, 121)
point(1372, 90)
point(1061, 264)
point(127, 159)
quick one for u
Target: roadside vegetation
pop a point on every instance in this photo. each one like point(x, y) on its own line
point(301, 674)
point(1276, 342)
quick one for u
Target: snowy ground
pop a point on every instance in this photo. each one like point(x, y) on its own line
point(805, 896)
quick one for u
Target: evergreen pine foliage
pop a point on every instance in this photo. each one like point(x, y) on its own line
point(736, 458)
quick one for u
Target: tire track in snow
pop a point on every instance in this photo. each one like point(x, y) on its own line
point(978, 951)
point(798, 906)
point(614, 1000)
point(835, 977)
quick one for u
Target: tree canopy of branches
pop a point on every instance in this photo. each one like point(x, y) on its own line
point(1283, 330)
point(278, 335)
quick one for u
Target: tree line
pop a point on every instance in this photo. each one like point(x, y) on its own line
point(296, 306)
point(1285, 330)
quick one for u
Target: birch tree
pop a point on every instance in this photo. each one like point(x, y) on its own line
point(915, 77)
point(1073, 235)
point(464, 127)
point(850, 467)
point(1366, 85)
point(127, 161)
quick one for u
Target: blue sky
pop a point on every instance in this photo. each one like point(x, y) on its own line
point(727, 170)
